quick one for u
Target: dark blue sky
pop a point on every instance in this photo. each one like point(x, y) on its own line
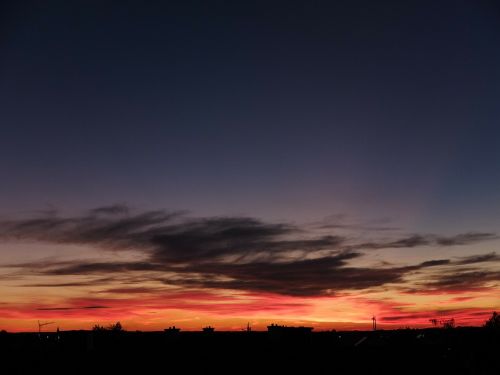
point(283, 110)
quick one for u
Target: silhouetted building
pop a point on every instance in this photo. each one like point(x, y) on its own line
point(172, 330)
point(275, 328)
point(208, 329)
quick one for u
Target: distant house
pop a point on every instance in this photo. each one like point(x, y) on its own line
point(172, 330)
point(275, 328)
point(208, 329)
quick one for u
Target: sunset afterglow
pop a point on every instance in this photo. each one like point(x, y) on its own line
point(312, 164)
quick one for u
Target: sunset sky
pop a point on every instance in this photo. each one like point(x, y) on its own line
point(216, 163)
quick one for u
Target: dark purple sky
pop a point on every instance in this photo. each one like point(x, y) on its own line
point(290, 110)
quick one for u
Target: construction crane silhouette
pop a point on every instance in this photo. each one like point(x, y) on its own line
point(40, 325)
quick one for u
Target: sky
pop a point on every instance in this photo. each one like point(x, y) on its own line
point(216, 163)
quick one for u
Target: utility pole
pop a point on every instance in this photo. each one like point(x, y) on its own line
point(40, 325)
point(374, 323)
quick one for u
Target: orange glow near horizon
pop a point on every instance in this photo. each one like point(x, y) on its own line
point(100, 268)
point(231, 311)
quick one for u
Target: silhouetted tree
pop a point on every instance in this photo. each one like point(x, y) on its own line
point(98, 328)
point(448, 324)
point(493, 322)
point(117, 327)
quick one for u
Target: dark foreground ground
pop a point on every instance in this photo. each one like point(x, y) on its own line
point(453, 351)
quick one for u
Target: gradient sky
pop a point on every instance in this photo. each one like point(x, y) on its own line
point(216, 162)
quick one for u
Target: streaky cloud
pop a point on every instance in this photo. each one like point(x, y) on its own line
point(465, 238)
point(72, 308)
point(237, 252)
point(490, 257)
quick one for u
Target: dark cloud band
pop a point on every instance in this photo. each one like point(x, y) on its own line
point(228, 252)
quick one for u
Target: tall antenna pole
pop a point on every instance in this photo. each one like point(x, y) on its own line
point(40, 325)
point(374, 323)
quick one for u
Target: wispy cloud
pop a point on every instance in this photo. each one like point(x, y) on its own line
point(482, 258)
point(462, 280)
point(417, 240)
point(239, 253)
point(465, 238)
point(71, 308)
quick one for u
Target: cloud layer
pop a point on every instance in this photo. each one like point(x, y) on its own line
point(239, 253)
